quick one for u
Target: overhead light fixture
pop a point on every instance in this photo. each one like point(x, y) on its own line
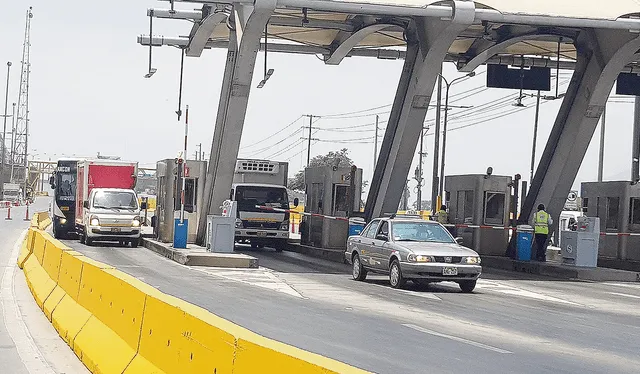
point(266, 78)
point(151, 72)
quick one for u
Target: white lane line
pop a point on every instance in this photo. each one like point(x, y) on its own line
point(457, 339)
point(31, 356)
point(261, 277)
point(519, 292)
point(624, 294)
point(425, 295)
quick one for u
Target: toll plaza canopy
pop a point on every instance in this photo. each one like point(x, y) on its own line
point(339, 28)
point(597, 40)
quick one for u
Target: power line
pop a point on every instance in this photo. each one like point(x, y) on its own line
point(288, 137)
point(272, 135)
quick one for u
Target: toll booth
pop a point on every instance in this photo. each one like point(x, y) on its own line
point(168, 203)
point(617, 204)
point(482, 201)
point(334, 192)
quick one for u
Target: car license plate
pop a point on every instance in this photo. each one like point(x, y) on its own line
point(450, 271)
point(262, 233)
point(115, 229)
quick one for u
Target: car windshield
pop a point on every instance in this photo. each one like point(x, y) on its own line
point(115, 200)
point(420, 232)
point(250, 196)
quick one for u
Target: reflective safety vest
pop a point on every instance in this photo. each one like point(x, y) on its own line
point(443, 217)
point(541, 221)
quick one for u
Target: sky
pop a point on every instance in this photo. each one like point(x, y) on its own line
point(88, 95)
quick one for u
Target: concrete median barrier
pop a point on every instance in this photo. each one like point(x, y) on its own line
point(117, 324)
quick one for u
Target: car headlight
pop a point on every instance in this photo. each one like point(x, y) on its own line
point(63, 221)
point(238, 223)
point(135, 222)
point(471, 260)
point(420, 258)
point(94, 221)
point(284, 226)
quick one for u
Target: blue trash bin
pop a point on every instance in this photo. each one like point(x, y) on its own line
point(180, 232)
point(356, 225)
point(524, 242)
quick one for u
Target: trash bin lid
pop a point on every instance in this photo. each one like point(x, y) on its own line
point(524, 228)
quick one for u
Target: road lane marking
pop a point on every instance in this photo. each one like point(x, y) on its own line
point(624, 294)
point(29, 353)
point(518, 292)
point(260, 277)
point(425, 295)
point(457, 339)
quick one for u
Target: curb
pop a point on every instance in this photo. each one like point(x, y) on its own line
point(115, 323)
point(208, 259)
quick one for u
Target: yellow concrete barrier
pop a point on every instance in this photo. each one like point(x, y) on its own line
point(117, 324)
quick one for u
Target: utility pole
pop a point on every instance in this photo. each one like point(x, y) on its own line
point(4, 126)
point(603, 123)
point(635, 156)
point(375, 142)
point(436, 149)
point(535, 138)
point(309, 139)
point(199, 155)
point(419, 171)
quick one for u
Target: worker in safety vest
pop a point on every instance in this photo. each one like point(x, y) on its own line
point(541, 222)
point(442, 215)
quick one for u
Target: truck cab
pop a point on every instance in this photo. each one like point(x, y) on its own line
point(111, 214)
point(261, 183)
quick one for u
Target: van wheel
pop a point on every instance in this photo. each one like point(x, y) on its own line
point(88, 241)
point(83, 238)
point(135, 243)
point(467, 286)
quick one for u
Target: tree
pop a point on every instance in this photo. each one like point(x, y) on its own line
point(338, 159)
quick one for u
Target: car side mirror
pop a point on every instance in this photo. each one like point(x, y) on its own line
point(382, 237)
point(459, 240)
point(86, 204)
point(296, 202)
point(52, 182)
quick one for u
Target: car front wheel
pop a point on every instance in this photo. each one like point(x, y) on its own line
point(359, 272)
point(395, 275)
point(467, 286)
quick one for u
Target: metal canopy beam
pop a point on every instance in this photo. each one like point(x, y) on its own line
point(203, 30)
point(250, 21)
point(427, 48)
point(343, 43)
point(444, 11)
point(485, 50)
point(602, 54)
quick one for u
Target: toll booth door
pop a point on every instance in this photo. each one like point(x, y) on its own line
point(340, 202)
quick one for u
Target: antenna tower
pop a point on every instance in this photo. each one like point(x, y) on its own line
point(19, 169)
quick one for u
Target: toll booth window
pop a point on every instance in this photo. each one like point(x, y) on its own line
point(464, 207)
point(613, 210)
point(340, 199)
point(370, 231)
point(634, 208)
point(190, 196)
point(494, 208)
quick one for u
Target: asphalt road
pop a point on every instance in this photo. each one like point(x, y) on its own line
point(512, 323)
point(28, 342)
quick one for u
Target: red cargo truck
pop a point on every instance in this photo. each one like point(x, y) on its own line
point(106, 205)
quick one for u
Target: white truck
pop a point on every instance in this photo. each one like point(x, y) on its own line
point(107, 207)
point(261, 183)
point(11, 192)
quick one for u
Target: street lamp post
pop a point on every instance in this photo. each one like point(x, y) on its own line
point(444, 130)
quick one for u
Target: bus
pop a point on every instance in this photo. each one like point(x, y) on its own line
point(63, 206)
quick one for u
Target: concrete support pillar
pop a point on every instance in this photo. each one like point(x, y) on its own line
point(428, 41)
point(244, 43)
point(602, 54)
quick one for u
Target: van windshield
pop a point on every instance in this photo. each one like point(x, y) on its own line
point(115, 200)
point(250, 196)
